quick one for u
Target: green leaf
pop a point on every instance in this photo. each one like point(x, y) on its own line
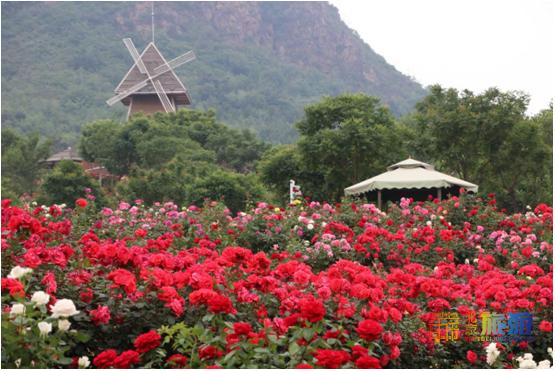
point(293, 349)
point(308, 334)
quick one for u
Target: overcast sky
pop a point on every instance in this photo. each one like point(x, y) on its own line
point(473, 44)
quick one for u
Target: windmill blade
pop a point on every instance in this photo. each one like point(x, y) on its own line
point(138, 86)
point(135, 55)
point(168, 107)
point(176, 62)
point(127, 92)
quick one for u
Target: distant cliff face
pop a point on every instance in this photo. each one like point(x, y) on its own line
point(258, 63)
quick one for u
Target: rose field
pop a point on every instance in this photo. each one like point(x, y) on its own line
point(314, 285)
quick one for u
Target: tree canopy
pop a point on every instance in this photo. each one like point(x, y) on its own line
point(343, 140)
point(21, 161)
point(487, 139)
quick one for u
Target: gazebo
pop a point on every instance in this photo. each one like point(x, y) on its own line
point(410, 178)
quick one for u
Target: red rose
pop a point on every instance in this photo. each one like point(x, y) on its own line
point(328, 358)
point(213, 367)
point(123, 278)
point(140, 233)
point(105, 359)
point(312, 309)
point(81, 202)
point(369, 330)
point(395, 315)
point(395, 352)
point(168, 293)
point(471, 356)
point(358, 351)
point(177, 360)
point(367, 362)
point(101, 315)
point(209, 352)
point(220, 304)
point(147, 341)
point(15, 287)
point(303, 365)
point(201, 296)
point(126, 359)
point(86, 296)
point(391, 339)
point(49, 280)
point(242, 328)
point(545, 326)
point(176, 306)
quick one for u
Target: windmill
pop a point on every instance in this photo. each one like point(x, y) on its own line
point(151, 85)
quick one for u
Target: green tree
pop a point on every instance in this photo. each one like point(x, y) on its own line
point(345, 140)
point(21, 160)
point(525, 177)
point(147, 142)
point(66, 183)
point(234, 189)
point(99, 143)
point(486, 139)
point(277, 166)
point(185, 183)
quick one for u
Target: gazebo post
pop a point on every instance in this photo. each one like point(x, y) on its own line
point(439, 194)
point(380, 199)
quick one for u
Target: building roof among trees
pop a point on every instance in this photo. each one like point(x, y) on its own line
point(67, 154)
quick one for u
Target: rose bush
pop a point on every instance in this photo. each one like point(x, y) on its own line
point(311, 285)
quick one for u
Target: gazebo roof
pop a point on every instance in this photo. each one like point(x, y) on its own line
point(409, 174)
point(67, 154)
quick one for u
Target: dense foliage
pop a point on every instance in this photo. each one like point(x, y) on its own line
point(487, 139)
point(312, 285)
point(151, 142)
point(258, 63)
point(21, 161)
point(183, 157)
point(66, 183)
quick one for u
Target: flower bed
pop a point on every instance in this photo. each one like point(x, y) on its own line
point(313, 285)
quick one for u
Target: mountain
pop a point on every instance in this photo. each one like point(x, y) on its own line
point(258, 63)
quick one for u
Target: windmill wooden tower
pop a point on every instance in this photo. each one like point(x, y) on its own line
point(151, 85)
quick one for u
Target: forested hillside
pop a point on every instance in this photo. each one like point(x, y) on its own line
point(258, 64)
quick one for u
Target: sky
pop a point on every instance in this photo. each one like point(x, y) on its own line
point(465, 44)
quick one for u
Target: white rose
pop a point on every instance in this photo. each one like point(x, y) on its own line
point(63, 308)
point(17, 309)
point(18, 272)
point(64, 325)
point(492, 353)
point(527, 363)
point(83, 362)
point(40, 298)
point(45, 328)
point(310, 226)
point(544, 364)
